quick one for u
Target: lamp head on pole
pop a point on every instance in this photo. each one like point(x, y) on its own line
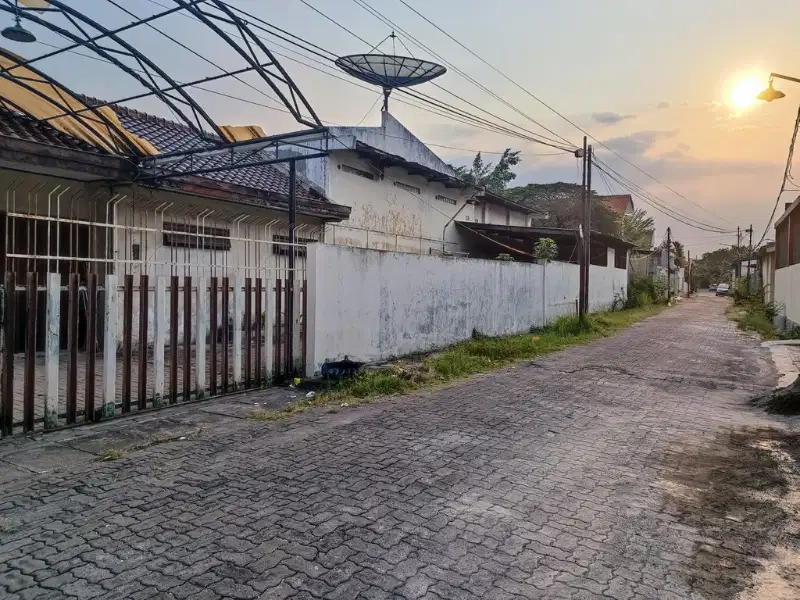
point(770, 94)
point(16, 32)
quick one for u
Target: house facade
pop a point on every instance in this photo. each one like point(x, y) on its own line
point(402, 196)
point(70, 208)
point(787, 265)
point(765, 271)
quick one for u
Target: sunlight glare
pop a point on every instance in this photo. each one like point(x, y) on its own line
point(744, 92)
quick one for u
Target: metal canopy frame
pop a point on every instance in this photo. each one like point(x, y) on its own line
point(286, 147)
point(214, 153)
point(107, 45)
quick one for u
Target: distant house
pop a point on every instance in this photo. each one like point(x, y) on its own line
point(765, 270)
point(787, 263)
point(620, 203)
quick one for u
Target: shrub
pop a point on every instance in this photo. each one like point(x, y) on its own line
point(545, 249)
point(645, 291)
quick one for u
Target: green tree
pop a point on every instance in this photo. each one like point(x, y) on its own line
point(715, 267)
point(637, 228)
point(545, 249)
point(494, 177)
point(561, 202)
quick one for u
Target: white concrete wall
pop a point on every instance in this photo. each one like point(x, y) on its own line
point(371, 305)
point(767, 276)
point(387, 217)
point(787, 293)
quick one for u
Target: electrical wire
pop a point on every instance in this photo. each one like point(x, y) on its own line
point(543, 103)
point(378, 15)
point(281, 108)
point(654, 202)
point(786, 175)
point(369, 110)
point(652, 199)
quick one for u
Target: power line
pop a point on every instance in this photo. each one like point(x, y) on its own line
point(282, 109)
point(369, 110)
point(654, 202)
point(786, 175)
point(540, 101)
point(378, 15)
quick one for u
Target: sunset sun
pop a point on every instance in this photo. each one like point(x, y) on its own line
point(744, 92)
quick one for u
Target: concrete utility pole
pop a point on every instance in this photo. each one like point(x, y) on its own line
point(587, 227)
point(738, 252)
point(582, 251)
point(688, 274)
point(749, 256)
point(669, 270)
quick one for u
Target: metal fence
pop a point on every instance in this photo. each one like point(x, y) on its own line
point(146, 343)
point(114, 303)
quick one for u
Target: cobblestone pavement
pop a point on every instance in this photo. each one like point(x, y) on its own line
point(536, 482)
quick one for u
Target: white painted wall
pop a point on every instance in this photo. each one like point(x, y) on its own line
point(251, 253)
point(387, 217)
point(787, 285)
point(371, 305)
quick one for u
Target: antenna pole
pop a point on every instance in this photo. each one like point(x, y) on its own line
point(386, 92)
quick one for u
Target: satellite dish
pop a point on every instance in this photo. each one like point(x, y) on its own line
point(389, 71)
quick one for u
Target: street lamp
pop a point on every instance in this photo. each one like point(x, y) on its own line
point(770, 94)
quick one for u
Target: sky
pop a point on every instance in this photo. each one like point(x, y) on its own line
point(652, 80)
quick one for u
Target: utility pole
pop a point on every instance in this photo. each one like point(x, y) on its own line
point(738, 252)
point(669, 270)
point(688, 274)
point(587, 227)
point(584, 259)
point(749, 256)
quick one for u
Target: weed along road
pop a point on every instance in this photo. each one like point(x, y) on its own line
point(628, 467)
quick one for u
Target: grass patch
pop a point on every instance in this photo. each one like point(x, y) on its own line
point(112, 454)
point(480, 354)
point(755, 316)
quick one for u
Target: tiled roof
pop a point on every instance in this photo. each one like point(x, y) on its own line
point(23, 127)
point(167, 136)
point(618, 203)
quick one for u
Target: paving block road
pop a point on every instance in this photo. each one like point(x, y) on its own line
point(555, 479)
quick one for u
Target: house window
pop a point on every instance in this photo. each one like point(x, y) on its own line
point(359, 172)
point(598, 255)
point(445, 199)
point(281, 247)
point(180, 235)
point(620, 258)
point(408, 188)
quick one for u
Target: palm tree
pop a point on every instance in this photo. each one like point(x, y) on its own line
point(637, 228)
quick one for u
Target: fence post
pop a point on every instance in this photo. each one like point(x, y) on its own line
point(29, 378)
point(52, 348)
point(9, 322)
point(110, 348)
point(297, 332)
point(202, 333)
point(159, 335)
point(269, 331)
point(238, 310)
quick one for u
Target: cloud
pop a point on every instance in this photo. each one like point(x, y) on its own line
point(663, 105)
point(639, 142)
point(610, 118)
